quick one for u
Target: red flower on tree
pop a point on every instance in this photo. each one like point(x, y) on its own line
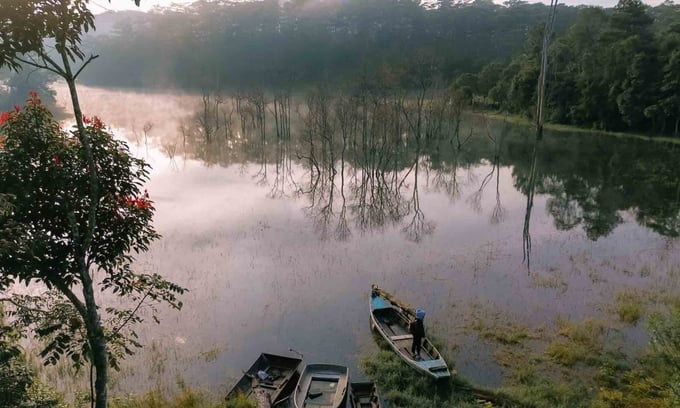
point(33, 98)
point(95, 121)
point(4, 117)
point(139, 203)
point(17, 108)
point(56, 160)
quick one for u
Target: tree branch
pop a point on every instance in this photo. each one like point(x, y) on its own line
point(77, 303)
point(35, 64)
point(134, 312)
point(92, 57)
point(31, 309)
point(56, 66)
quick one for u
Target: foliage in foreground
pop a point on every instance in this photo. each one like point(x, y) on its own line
point(19, 386)
point(57, 229)
point(187, 398)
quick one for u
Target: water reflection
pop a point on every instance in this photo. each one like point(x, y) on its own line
point(531, 189)
point(364, 158)
point(350, 169)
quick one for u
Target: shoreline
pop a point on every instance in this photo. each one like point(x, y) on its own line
point(522, 121)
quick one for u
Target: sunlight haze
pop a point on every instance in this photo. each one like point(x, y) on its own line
point(101, 6)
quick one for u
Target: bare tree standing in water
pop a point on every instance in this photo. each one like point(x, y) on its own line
point(540, 105)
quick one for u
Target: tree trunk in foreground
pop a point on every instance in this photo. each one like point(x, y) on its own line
point(97, 342)
point(95, 330)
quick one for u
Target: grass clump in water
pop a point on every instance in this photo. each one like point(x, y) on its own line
point(503, 333)
point(629, 307)
point(577, 343)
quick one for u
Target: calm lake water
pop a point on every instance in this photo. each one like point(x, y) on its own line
point(278, 239)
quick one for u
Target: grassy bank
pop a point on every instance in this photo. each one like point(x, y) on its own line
point(583, 363)
point(522, 121)
point(402, 386)
point(578, 364)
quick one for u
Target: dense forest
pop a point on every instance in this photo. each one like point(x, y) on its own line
point(264, 43)
point(613, 69)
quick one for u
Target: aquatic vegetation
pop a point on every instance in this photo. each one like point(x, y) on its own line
point(577, 342)
point(554, 280)
point(210, 355)
point(499, 330)
point(629, 307)
point(651, 381)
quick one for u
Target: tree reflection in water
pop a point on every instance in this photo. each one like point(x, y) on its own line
point(531, 188)
point(361, 158)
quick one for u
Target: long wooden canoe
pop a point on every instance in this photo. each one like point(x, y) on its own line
point(270, 380)
point(322, 386)
point(364, 395)
point(391, 317)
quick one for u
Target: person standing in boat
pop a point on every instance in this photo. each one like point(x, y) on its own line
point(417, 329)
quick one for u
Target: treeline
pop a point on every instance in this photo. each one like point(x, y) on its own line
point(612, 69)
point(212, 44)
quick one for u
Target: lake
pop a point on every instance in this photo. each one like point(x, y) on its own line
point(278, 228)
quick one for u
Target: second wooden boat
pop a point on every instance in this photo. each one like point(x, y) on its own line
point(322, 386)
point(364, 395)
point(391, 317)
point(270, 380)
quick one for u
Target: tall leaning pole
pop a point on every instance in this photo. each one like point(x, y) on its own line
point(540, 94)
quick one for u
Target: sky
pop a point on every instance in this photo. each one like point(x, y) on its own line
point(100, 6)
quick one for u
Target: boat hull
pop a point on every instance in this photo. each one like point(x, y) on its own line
point(364, 395)
point(284, 372)
point(390, 318)
point(322, 385)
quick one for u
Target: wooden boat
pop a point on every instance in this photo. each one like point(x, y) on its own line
point(391, 317)
point(364, 395)
point(322, 386)
point(270, 380)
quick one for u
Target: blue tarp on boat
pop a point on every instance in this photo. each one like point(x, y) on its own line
point(379, 303)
